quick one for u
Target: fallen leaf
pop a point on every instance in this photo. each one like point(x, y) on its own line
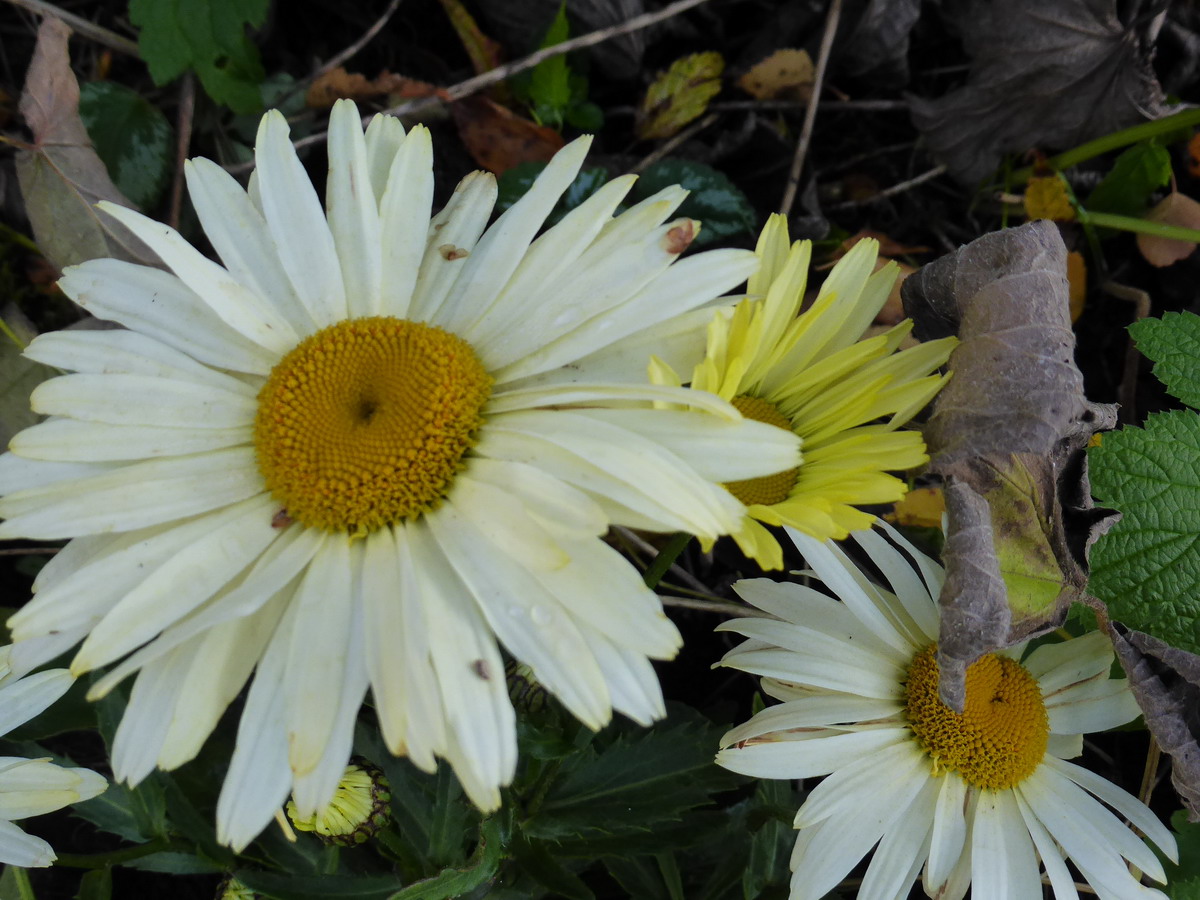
point(485, 53)
point(1166, 684)
point(18, 376)
point(1007, 436)
point(1193, 147)
point(338, 84)
point(1174, 209)
point(1049, 75)
point(920, 508)
point(1077, 282)
point(784, 75)
point(679, 95)
point(61, 176)
point(1046, 197)
point(498, 139)
point(888, 246)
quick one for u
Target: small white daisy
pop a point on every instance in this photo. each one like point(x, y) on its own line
point(369, 447)
point(984, 799)
point(32, 787)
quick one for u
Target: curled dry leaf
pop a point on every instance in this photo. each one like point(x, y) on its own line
point(1049, 75)
point(484, 52)
point(60, 175)
point(1007, 436)
point(784, 75)
point(679, 95)
point(1166, 683)
point(1174, 209)
point(498, 138)
point(338, 84)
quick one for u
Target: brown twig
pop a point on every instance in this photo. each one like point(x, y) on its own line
point(797, 105)
point(892, 191)
point(183, 141)
point(669, 146)
point(810, 115)
point(82, 27)
point(1127, 391)
point(503, 73)
point(716, 606)
point(338, 58)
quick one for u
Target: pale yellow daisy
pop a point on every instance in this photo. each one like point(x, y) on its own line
point(814, 374)
point(32, 787)
point(985, 799)
point(372, 446)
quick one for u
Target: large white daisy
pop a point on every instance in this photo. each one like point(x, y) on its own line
point(32, 787)
point(977, 799)
point(365, 448)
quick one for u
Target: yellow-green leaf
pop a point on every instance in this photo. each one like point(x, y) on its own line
point(680, 95)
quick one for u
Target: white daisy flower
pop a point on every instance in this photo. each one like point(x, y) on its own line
point(371, 444)
point(33, 787)
point(977, 799)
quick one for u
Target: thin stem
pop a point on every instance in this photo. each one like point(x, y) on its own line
point(893, 190)
point(669, 146)
point(1142, 226)
point(87, 29)
point(117, 857)
point(24, 887)
point(810, 115)
point(183, 131)
point(719, 607)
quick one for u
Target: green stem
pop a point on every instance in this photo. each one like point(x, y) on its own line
point(24, 887)
point(1142, 226)
point(11, 335)
point(1122, 138)
point(666, 558)
point(116, 857)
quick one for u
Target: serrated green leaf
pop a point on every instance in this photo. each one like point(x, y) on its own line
point(1147, 568)
point(208, 36)
point(1183, 878)
point(1184, 890)
point(537, 860)
point(550, 80)
point(316, 887)
point(455, 882)
point(638, 780)
point(1137, 173)
point(131, 135)
point(770, 846)
point(721, 207)
point(1173, 342)
point(640, 878)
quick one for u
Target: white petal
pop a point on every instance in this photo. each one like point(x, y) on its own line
point(404, 210)
point(843, 791)
point(824, 672)
point(67, 440)
point(19, 474)
point(557, 505)
point(134, 496)
point(240, 236)
point(1061, 880)
point(142, 400)
point(158, 304)
point(911, 592)
point(27, 697)
point(452, 236)
point(236, 305)
point(385, 137)
point(1094, 706)
point(950, 828)
point(297, 223)
point(1057, 666)
point(500, 250)
point(353, 211)
point(902, 850)
point(1003, 862)
point(143, 728)
point(632, 681)
point(20, 849)
point(816, 711)
point(797, 758)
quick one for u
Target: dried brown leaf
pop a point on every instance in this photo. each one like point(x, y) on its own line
point(1047, 75)
point(1166, 683)
point(338, 84)
point(786, 74)
point(1007, 435)
point(498, 138)
point(1174, 209)
point(60, 175)
point(880, 38)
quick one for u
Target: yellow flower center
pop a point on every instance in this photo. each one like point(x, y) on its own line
point(366, 422)
point(1000, 737)
point(770, 489)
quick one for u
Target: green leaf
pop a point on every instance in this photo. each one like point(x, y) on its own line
point(770, 847)
point(131, 135)
point(640, 878)
point(716, 201)
point(550, 80)
point(317, 887)
point(448, 825)
point(1147, 568)
point(1183, 878)
point(18, 377)
point(537, 861)
point(174, 863)
point(638, 780)
point(455, 882)
point(1184, 890)
point(1173, 342)
point(208, 36)
point(96, 885)
point(513, 184)
point(1137, 173)
point(14, 884)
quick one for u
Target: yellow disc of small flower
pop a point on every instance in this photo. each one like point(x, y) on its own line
point(366, 422)
point(999, 738)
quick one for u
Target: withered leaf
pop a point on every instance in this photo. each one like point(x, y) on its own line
point(338, 84)
point(1174, 209)
point(679, 95)
point(880, 38)
point(1047, 75)
point(1166, 683)
point(61, 177)
point(498, 139)
point(785, 74)
point(1007, 435)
